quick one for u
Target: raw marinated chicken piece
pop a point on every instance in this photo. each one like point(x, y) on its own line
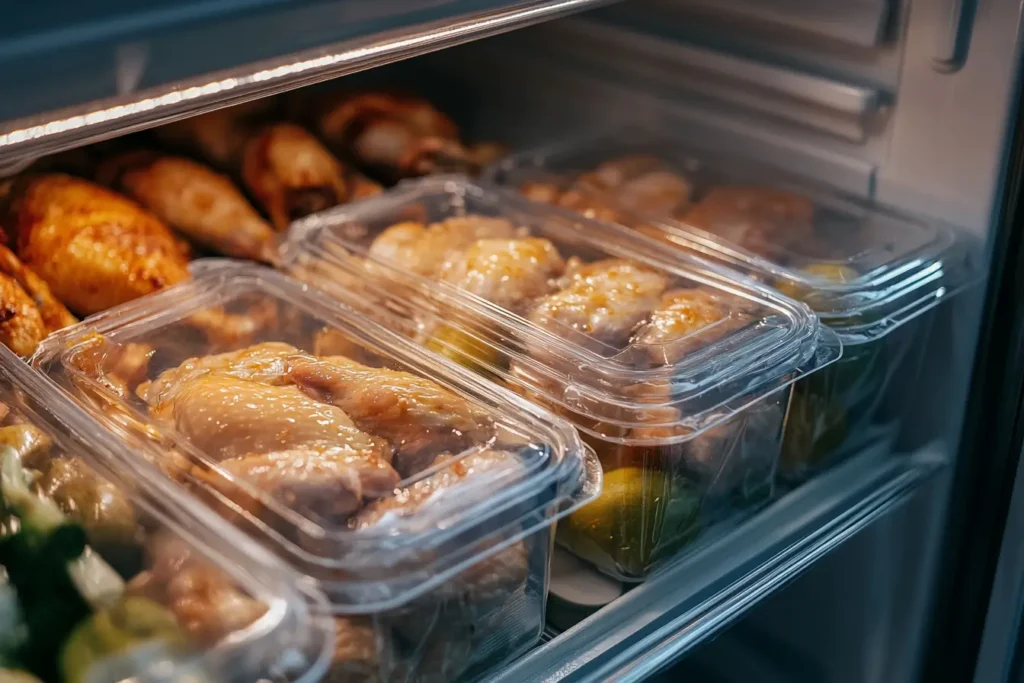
point(206, 602)
point(758, 219)
point(291, 174)
point(331, 482)
point(118, 368)
point(418, 416)
point(508, 272)
point(203, 205)
point(230, 330)
point(218, 136)
point(604, 300)
point(95, 249)
point(399, 136)
point(590, 204)
point(263, 363)
point(227, 417)
point(684, 312)
point(360, 650)
point(428, 250)
point(28, 311)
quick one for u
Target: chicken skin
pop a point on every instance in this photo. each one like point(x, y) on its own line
point(93, 248)
point(28, 310)
point(206, 602)
point(508, 272)
point(668, 332)
point(226, 417)
point(330, 482)
point(418, 416)
point(218, 136)
point(203, 205)
point(758, 219)
point(429, 250)
point(604, 300)
point(399, 136)
point(292, 175)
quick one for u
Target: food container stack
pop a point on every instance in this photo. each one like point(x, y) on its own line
point(418, 496)
point(108, 577)
point(868, 272)
point(675, 371)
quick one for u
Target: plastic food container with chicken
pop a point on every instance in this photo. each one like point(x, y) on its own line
point(106, 578)
point(418, 496)
point(868, 272)
point(674, 371)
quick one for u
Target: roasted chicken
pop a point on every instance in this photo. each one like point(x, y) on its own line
point(418, 416)
point(398, 136)
point(430, 249)
point(218, 136)
point(687, 319)
point(508, 272)
point(93, 248)
point(203, 205)
point(28, 310)
point(292, 175)
point(603, 301)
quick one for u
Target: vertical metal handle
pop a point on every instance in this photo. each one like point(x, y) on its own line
point(954, 36)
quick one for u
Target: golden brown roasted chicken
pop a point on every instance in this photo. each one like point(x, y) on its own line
point(508, 272)
point(429, 249)
point(292, 175)
point(93, 248)
point(398, 136)
point(218, 136)
point(203, 205)
point(28, 310)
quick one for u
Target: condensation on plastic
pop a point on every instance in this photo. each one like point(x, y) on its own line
point(864, 269)
point(687, 426)
point(239, 607)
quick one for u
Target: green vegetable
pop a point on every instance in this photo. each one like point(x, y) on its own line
point(125, 625)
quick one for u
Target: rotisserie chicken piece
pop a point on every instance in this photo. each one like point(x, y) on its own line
point(475, 474)
point(331, 482)
point(604, 300)
point(28, 310)
point(95, 249)
point(418, 416)
point(218, 136)
point(758, 219)
point(226, 417)
point(429, 250)
point(205, 600)
point(265, 363)
point(292, 175)
point(360, 650)
point(203, 205)
point(510, 273)
point(669, 332)
point(641, 183)
point(398, 135)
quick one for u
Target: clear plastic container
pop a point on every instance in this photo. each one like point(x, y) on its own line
point(675, 371)
point(157, 573)
point(866, 271)
point(420, 497)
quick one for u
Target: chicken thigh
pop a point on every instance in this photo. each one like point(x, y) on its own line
point(226, 417)
point(420, 417)
point(604, 300)
point(95, 249)
point(203, 205)
point(510, 273)
point(428, 250)
point(681, 314)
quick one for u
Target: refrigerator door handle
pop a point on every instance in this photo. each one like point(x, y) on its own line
point(954, 37)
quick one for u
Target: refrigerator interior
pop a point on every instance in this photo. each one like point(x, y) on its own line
point(906, 104)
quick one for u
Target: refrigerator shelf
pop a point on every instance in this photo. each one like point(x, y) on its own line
point(694, 599)
point(83, 76)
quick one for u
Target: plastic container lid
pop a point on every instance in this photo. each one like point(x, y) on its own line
point(377, 469)
point(239, 609)
point(587, 317)
point(863, 268)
